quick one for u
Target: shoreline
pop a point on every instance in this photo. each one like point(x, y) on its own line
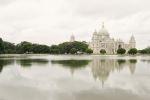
point(82, 54)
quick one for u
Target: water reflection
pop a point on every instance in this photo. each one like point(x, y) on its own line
point(72, 64)
point(146, 60)
point(22, 62)
point(29, 62)
point(5, 62)
point(52, 81)
point(102, 68)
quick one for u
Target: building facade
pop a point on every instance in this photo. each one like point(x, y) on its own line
point(102, 40)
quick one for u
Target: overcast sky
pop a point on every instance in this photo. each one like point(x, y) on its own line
point(53, 21)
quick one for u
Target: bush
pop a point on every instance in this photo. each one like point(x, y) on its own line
point(89, 51)
point(102, 51)
point(121, 51)
point(132, 51)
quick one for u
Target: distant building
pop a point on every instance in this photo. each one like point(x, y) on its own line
point(102, 40)
point(72, 38)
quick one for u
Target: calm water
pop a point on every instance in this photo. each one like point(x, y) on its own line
point(47, 77)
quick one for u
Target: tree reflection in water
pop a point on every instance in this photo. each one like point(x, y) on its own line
point(5, 62)
point(72, 64)
point(29, 62)
point(101, 68)
point(146, 60)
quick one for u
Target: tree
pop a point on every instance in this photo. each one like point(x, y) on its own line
point(41, 49)
point(54, 49)
point(9, 48)
point(132, 51)
point(89, 51)
point(145, 51)
point(121, 51)
point(80, 46)
point(66, 47)
point(73, 51)
point(27, 47)
point(1, 46)
point(24, 47)
point(102, 51)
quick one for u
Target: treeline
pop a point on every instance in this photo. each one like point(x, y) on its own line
point(63, 48)
point(134, 51)
point(32, 48)
point(145, 51)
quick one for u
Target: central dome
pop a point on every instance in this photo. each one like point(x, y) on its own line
point(103, 31)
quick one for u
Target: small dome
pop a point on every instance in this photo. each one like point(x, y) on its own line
point(132, 39)
point(72, 38)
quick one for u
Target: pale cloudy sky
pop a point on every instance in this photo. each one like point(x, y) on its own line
point(53, 21)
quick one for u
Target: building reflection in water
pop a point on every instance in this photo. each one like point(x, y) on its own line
point(102, 68)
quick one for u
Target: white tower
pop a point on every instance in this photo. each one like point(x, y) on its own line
point(72, 38)
point(132, 42)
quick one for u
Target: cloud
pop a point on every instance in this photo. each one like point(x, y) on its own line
point(5, 2)
point(109, 9)
point(51, 22)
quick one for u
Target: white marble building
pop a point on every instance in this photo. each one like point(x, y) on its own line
point(102, 40)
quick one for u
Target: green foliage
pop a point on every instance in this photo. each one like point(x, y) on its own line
point(1, 46)
point(65, 48)
point(102, 51)
point(145, 51)
point(73, 51)
point(39, 49)
point(54, 49)
point(121, 51)
point(27, 47)
point(9, 48)
point(24, 47)
point(89, 51)
point(132, 51)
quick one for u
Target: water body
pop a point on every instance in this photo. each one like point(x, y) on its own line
point(62, 77)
